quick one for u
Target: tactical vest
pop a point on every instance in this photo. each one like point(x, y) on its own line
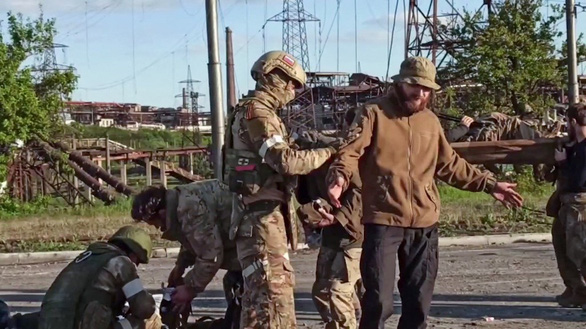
point(63, 304)
point(244, 171)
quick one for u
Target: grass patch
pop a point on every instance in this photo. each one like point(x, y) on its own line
point(44, 225)
point(48, 208)
point(468, 213)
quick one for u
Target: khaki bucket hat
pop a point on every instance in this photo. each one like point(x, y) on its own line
point(419, 71)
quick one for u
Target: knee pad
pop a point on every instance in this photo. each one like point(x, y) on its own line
point(96, 316)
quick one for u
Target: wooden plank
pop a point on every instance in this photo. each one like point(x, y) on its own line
point(519, 151)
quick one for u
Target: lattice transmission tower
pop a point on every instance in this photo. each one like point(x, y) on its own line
point(425, 26)
point(293, 18)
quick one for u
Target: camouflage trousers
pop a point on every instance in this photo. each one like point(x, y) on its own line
point(572, 216)
point(568, 270)
point(267, 300)
point(98, 316)
point(333, 292)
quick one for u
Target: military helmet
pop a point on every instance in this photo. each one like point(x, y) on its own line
point(281, 60)
point(137, 240)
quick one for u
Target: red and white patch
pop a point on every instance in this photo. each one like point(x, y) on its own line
point(249, 112)
point(290, 61)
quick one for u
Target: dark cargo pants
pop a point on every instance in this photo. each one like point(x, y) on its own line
point(417, 250)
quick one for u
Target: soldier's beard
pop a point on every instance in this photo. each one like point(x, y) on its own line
point(412, 103)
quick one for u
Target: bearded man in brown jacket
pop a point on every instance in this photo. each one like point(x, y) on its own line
point(399, 148)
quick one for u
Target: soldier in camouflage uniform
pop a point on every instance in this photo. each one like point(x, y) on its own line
point(261, 167)
point(499, 126)
point(91, 291)
point(198, 216)
point(338, 264)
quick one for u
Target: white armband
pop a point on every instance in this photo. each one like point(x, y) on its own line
point(132, 288)
point(125, 324)
point(270, 142)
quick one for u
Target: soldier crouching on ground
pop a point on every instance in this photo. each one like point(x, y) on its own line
point(261, 167)
point(198, 216)
point(569, 226)
point(92, 290)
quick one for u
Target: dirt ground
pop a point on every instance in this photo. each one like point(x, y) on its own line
point(513, 284)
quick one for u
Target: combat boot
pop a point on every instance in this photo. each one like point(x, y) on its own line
point(570, 299)
point(6, 322)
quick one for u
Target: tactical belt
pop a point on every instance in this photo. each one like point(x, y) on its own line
point(263, 205)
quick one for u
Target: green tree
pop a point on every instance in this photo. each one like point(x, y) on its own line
point(512, 54)
point(31, 94)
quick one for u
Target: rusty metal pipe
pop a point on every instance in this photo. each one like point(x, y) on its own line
point(95, 170)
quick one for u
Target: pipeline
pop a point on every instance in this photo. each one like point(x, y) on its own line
point(94, 170)
point(97, 190)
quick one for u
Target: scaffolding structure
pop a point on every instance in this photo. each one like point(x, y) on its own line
point(426, 29)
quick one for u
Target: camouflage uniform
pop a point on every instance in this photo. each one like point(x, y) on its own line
point(572, 217)
point(569, 272)
point(91, 291)
point(338, 261)
point(260, 167)
point(501, 127)
point(198, 216)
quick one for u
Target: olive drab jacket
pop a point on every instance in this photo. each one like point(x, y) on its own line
point(257, 141)
point(398, 156)
point(102, 274)
point(198, 216)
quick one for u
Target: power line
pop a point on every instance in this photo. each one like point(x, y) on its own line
point(355, 36)
point(338, 39)
point(391, 42)
point(328, 36)
point(133, 50)
point(187, 11)
point(87, 47)
point(178, 45)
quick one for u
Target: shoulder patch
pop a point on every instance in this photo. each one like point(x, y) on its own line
point(249, 111)
point(255, 110)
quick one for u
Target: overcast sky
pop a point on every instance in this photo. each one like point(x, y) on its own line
point(138, 50)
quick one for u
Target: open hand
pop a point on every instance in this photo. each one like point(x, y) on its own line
point(335, 191)
point(506, 194)
point(466, 121)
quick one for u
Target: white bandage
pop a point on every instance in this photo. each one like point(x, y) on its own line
point(274, 140)
point(125, 324)
point(132, 288)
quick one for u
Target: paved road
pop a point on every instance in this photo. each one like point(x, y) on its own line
point(513, 284)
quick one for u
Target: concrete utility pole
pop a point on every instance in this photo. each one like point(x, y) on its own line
point(572, 61)
point(215, 76)
point(230, 84)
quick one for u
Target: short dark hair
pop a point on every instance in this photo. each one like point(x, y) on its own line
point(148, 202)
point(578, 113)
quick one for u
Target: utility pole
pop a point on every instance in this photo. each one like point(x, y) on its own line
point(230, 84)
point(215, 76)
point(572, 61)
